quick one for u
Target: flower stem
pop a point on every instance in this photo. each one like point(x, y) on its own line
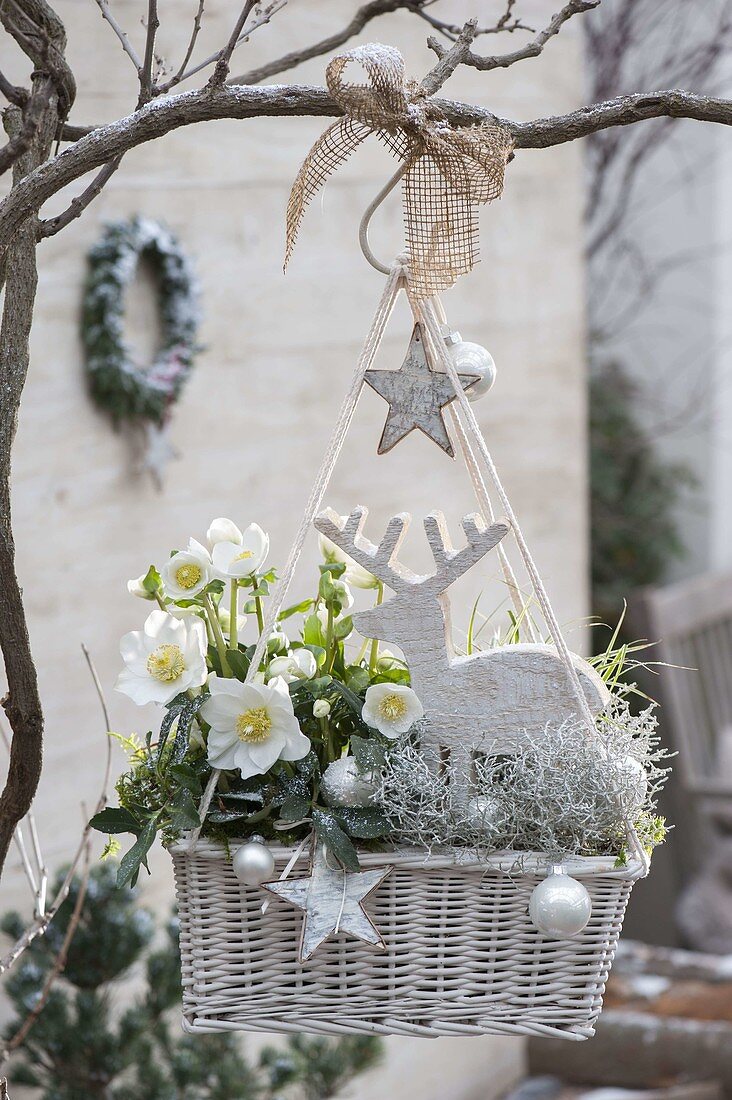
point(258, 606)
point(161, 601)
point(374, 655)
point(326, 732)
point(330, 643)
point(217, 633)
point(234, 614)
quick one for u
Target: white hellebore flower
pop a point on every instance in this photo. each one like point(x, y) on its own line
point(239, 559)
point(223, 530)
point(321, 708)
point(392, 709)
point(355, 574)
point(166, 657)
point(135, 587)
point(300, 665)
point(187, 572)
point(252, 726)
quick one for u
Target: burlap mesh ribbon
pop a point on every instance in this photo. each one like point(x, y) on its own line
point(449, 171)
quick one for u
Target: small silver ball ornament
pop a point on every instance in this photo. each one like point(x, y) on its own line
point(560, 906)
point(253, 863)
point(344, 785)
point(484, 812)
point(470, 358)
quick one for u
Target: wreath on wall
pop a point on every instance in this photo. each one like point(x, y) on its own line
point(130, 391)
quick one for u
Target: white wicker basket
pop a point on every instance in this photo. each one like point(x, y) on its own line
point(462, 956)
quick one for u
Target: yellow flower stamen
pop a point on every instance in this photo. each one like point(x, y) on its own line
point(244, 555)
point(188, 576)
point(392, 707)
point(166, 663)
point(254, 725)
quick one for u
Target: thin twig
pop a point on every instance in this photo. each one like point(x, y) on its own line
point(261, 21)
point(178, 75)
point(451, 30)
point(360, 19)
point(59, 963)
point(13, 94)
point(127, 46)
point(41, 923)
point(146, 78)
point(450, 60)
point(221, 70)
point(531, 49)
point(78, 205)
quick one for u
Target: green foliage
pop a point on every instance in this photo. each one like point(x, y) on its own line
point(84, 1046)
point(633, 494)
point(119, 385)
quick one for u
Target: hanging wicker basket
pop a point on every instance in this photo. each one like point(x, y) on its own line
point(462, 956)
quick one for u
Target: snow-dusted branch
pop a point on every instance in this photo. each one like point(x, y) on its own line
point(531, 49)
point(159, 117)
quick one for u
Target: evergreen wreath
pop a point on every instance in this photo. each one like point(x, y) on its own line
point(125, 389)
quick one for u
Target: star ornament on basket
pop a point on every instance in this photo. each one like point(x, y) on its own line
point(416, 395)
point(332, 900)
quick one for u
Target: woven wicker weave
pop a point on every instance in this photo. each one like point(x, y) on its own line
point(462, 957)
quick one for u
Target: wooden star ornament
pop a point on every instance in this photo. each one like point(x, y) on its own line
point(416, 395)
point(332, 899)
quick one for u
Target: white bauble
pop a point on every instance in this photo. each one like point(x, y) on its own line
point(253, 863)
point(473, 359)
point(344, 785)
point(560, 906)
point(484, 812)
point(634, 782)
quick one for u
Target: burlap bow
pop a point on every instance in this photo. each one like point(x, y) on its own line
point(449, 170)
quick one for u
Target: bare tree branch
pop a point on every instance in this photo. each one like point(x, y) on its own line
point(59, 963)
point(127, 46)
point(107, 142)
point(41, 922)
point(13, 94)
point(450, 59)
point(145, 73)
point(221, 69)
point(33, 112)
point(362, 17)
point(260, 21)
point(78, 205)
point(178, 75)
point(452, 30)
point(531, 49)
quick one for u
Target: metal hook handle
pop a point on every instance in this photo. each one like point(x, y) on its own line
point(363, 229)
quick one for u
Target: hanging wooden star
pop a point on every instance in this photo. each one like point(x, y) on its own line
point(332, 900)
point(416, 395)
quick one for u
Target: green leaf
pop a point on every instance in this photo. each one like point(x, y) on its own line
point(296, 609)
point(222, 817)
point(368, 753)
point(357, 678)
point(184, 812)
point(353, 701)
point(152, 581)
point(312, 633)
point(343, 627)
point(294, 807)
point(238, 663)
point(335, 568)
point(329, 832)
point(131, 861)
point(214, 661)
point(185, 776)
point(115, 819)
point(364, 823)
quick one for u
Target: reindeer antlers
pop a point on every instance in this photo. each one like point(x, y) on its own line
point(452, 563)
point(346, 533)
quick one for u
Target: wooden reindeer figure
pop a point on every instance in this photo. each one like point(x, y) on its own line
point(487, 702)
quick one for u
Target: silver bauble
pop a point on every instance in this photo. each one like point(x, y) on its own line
point(560, 906)
point(253, 863)
point(344, 785)
point(484, 812)
point(472, 359)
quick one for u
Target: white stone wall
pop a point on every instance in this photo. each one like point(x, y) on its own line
point(253, 422)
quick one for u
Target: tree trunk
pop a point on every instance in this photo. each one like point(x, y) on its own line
point(22, 704)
